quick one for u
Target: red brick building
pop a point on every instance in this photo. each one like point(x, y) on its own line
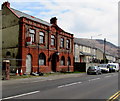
point(42, 46)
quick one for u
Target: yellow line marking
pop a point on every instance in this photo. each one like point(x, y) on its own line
point(115, 96)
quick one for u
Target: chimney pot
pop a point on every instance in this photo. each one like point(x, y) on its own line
point(7, 4)
point(53, 20)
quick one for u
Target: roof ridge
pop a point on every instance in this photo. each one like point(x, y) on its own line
point(31, 17)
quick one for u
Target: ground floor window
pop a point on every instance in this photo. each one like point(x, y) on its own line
point(62, 61)
point(68, 61)
point(42, 59)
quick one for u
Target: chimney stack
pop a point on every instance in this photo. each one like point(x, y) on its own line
point(53, 20)
point(7, 4)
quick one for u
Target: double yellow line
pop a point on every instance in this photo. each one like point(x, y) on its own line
point(115, 96)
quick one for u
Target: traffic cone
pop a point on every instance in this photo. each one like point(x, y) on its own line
point(21, 72)
point(17, 72)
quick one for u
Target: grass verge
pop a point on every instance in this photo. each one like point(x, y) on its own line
point(45, 75)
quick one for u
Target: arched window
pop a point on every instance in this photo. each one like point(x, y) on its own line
point(68, 61)
point(8, 54)
point(42, 59)
point(41, 37)
point(62, 62)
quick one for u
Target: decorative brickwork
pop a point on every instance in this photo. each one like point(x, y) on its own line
point(30, 48)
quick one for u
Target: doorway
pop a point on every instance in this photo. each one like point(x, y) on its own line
point(54, 62)
point(28, 64)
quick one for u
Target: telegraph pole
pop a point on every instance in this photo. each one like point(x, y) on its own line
point(104, 57)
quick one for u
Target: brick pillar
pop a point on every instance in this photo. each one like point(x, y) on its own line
point(22, 48)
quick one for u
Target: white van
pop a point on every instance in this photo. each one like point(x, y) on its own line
point(115, 66)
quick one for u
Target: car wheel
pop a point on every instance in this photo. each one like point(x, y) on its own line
point(97, 73)
point(88, 73)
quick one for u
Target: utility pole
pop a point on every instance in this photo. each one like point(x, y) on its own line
point(104, 56)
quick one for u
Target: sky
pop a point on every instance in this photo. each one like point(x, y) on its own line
point(83, 18)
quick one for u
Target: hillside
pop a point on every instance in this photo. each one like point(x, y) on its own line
point(111, 49)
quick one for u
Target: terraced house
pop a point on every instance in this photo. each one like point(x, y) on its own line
point(33, 44)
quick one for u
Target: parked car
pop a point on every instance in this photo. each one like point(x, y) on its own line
point(114, 66)
point(94, 70)
point(104, 68)
point(111, 68)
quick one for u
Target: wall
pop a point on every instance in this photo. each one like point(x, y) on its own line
point(45, 48)
point(77, 53)
point(10, 35)
point(10, 28)
point(99, 54)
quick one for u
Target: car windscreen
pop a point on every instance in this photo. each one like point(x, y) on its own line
point(91, 68)
point(111, 66)
point(103, 65)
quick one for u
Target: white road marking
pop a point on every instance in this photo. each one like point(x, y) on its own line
point(50, 79)
point(69, 84)
point(107, 76)
point(33, 81)
point(114, 74)
point(94, 79)
point(20, 95)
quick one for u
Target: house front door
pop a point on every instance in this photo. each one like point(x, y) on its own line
point(54, 62)
point(28, 64)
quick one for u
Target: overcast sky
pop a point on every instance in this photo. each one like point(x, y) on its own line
point(83, 18)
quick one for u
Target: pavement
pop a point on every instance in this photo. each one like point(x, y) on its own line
point(43, 78)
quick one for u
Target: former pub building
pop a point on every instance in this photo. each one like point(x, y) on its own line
point(34, 44)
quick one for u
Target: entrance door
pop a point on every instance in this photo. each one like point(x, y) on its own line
point(54, 62)
point(28, 64)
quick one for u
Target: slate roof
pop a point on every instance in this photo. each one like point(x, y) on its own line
point(21, 14)
point(87, 54)
point(84, 42)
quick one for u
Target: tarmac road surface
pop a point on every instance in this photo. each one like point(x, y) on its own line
point(76, 87)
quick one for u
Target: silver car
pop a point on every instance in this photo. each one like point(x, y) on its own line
point(94, 70)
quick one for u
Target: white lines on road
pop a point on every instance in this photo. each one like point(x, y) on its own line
point(107, 76)
point(37, 81)
point(115, 74)
point(94, 79)
point(69, 84)
point(33, 81)
point(21, 95)
point(50, 79)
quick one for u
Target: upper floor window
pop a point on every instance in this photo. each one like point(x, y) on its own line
point(32, 35)
point(67, 43)
point(52, 40)
point(41, 37)
point(62, 42)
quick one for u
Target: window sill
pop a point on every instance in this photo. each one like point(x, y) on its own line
point(68, 48)
point(52, 46)
point(42, 44)
point(62, 48)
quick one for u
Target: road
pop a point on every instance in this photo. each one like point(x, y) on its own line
point(79, 87)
